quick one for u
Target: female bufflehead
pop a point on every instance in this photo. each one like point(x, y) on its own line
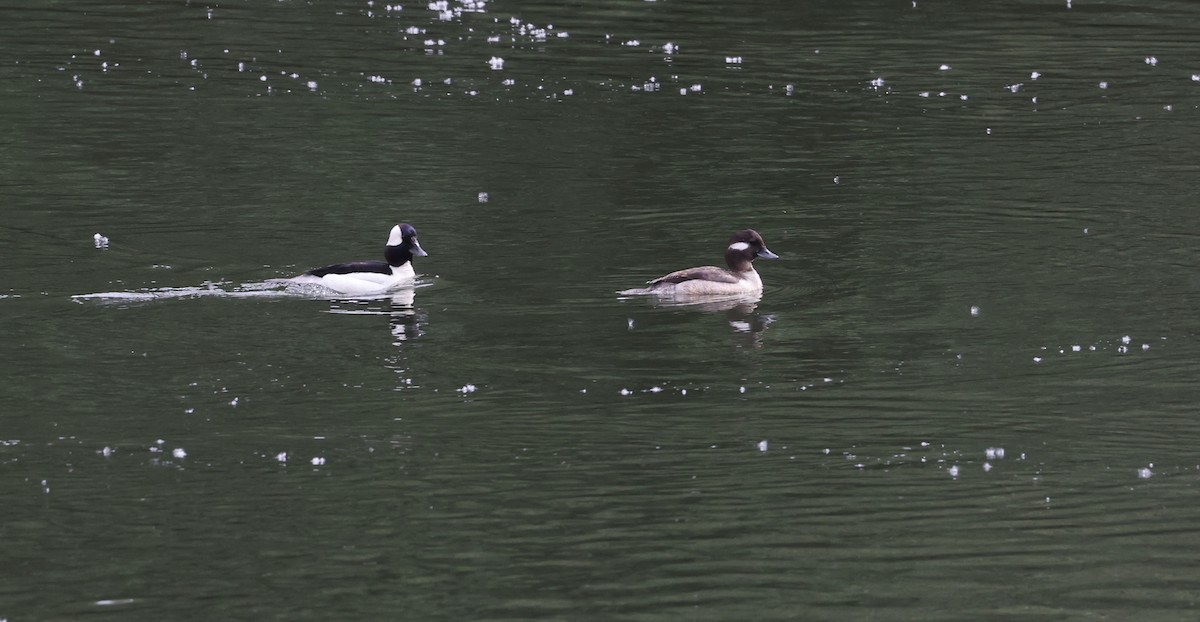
point(739, 278)
point(373, 277)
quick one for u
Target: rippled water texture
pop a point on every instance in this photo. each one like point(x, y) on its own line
point(968, 389)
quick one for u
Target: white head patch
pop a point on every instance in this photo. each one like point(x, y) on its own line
point(739, 246)
point(396, 237)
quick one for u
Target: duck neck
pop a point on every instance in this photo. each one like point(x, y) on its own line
point(397, 255)
point(737, 261)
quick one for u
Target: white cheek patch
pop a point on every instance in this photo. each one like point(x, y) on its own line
point(395, 238)
point(739, 246)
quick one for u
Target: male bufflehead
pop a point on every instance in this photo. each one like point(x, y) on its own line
point(739, 278)
point(374, 276)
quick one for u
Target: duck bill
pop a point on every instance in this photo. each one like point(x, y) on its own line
point(766, 254)
point(416, 249)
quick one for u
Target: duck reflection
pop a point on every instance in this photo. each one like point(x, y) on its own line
point(404, 320)
point(739, 310)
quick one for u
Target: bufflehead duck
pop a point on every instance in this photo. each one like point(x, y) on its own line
point(374, 276)
point(739, 278)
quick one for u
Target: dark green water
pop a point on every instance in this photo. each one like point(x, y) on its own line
point(513, 441)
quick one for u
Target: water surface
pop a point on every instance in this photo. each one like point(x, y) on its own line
point(966, 390)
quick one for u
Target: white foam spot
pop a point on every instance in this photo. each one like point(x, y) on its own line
point(1145, 346)
point(762, 446)
point(106, 452)
point(312, 85)
point(953, 471)
point(994, 453)
point(233, 402)
point(100, 241)
point(1150, 60)
point(1103, 85)
point(944, 68)
point(1037, 359)
point(625, 392)
point(178, 452)
point(1035, 75)
point(987, 466)
point(974, 310)
point(1145, 473)
point(741, 389)
point(318, 461)
point(281, 456)
point(1125, 340)
point(467, 388)
point(1076, 348)
point(496, 63)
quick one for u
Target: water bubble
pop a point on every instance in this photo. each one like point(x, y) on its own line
point(106, 452)
point(994, 453)
point(762, 446)
point(1103, 85)
point(877, 82)
point(1125, 339)
point(496, 63)
point(987, 467)
point(963, 97)
point(262, 78)
point(1037, 359)
point(1152, 61)
point(923, 94)
point(1145, 346)
point(1145, 473)
point(100, 241)
point(670, 48)
point(318, 461)
point(656, 389)
point(741, 389)
point(233, 402)
point(1035, 75)
point(1076, 348)
point(281, 456)
point(416, 82)
point(625, 392)
point(467, 388)
point(482, 197)
point(953, 471)
point(944, 68)
point(312, 85)
point(733, 60)
point(179, 453)
point(974, 310)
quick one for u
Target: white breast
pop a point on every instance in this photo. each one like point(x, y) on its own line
point(364, 283)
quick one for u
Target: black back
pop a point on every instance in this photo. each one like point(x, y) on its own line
point(374, 265)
